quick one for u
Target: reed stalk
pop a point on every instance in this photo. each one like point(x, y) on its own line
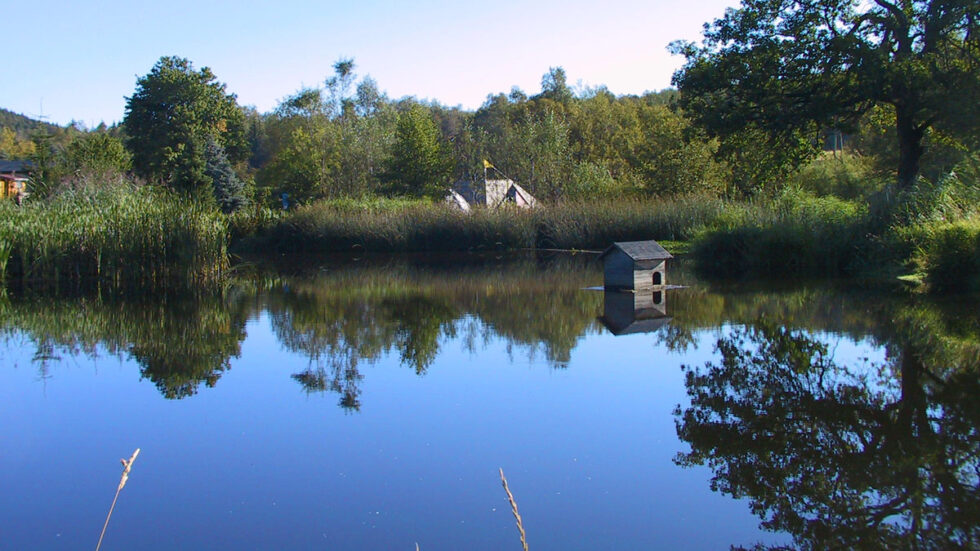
point(513, 508)
point(127, 465)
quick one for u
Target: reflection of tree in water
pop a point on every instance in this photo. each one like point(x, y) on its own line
point(186, 343)
point(178, 341)
point(337, 333)
point(339, 375)
point(837, 456)
point(344, 318)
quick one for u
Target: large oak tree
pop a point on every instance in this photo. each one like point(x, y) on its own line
point(791, 66)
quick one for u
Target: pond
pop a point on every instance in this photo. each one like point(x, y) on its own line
point(370, 403)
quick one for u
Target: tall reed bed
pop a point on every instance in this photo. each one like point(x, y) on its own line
point(795, 234)
point(122, 236)
point(417, 226)
point(407, 227)
point(597, 224)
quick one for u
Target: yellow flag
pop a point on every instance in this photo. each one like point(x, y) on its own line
point(486, 164)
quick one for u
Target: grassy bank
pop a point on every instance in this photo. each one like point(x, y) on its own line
point(929, 232)
point(400, 226)
point(121, 236)
point(134, 237)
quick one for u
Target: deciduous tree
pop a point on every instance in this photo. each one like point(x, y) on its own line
point(786, 67)
point(420, 164)
point(169, 119)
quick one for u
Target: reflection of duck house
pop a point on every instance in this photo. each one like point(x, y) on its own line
point(635, 274)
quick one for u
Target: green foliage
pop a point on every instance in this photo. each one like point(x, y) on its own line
point(843, 175)
point(670, 157)
point(876, 138)
point(14, 147)
point(96, 153)
point(417, 226)
point(23, 127)
point(554, 86)
point(795, 234)
point(595, 225)
point(786, 68)
point(46, 173)
point(400, 225)
point(169, 119)
point(326, 142)
point(945, 254)
point(420, 164)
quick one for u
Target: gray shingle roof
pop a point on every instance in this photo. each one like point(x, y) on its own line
point(640, 250)
point(16, 166)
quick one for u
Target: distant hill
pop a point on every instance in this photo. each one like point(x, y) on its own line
point(23, 126)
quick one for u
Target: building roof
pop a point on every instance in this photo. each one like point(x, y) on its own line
point(8, 167)
point(619, 327)
point(640, 250)
point(457, 201)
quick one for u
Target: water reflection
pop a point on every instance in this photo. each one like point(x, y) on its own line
point(835, 454)
point(845, 456)
point(338, 315)
point(179, 342)
point(626, 312)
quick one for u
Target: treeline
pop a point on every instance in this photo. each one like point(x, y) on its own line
point(346, 139)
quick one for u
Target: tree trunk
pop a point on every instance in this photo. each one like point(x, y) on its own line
point(909, 146)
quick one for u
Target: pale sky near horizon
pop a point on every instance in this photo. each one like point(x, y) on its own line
point(79, 60)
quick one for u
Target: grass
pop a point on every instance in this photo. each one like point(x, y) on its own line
point(944, 256)
point(121, 236)
point(513, 508)
point(128, 236)
point(127, 465)
point(414, 226)
point(796, 234)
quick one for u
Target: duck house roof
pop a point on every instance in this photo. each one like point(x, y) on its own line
point(640, 250)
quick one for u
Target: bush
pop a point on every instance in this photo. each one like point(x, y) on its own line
point(848, 176)
point(947, 255)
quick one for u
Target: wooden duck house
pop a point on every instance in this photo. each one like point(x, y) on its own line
point(638, 266)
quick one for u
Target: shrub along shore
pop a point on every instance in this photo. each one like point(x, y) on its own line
point(140, 238)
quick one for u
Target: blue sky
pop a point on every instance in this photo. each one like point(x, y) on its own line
point(78, 60)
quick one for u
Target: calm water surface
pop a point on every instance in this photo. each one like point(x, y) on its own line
point(368, 404)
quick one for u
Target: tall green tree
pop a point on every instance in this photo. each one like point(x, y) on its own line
point(420, 164)
point(304, 148)
point(171, 116)
point(787, 68)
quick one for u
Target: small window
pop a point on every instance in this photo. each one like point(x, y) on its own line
point(658, 278)
point(658, 297)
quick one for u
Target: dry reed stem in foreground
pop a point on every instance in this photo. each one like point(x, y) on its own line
point(127, 465)
point(513, 508)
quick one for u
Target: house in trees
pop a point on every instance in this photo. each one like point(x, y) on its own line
point(638, 266)
point(507, 192)
point(14, 176)
point(456, 201)
point(494, 194)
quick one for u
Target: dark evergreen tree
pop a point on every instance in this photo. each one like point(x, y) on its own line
point(229, 190)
